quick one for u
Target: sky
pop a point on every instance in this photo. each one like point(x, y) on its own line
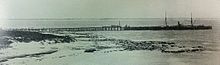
point(16, 9)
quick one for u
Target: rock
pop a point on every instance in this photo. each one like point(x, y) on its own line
point(25, 36)
point(181, 50)
point(198, 47)
point(3, 60)
point(102, 47)
point(90, 50)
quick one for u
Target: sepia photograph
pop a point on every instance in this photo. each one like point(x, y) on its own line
point(109, 32)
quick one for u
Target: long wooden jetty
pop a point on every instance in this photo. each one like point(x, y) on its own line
point(102, 28)
point(119, 28)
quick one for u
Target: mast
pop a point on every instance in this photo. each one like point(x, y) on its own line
point(166, 19)
point(119, 23)
point(191, 20)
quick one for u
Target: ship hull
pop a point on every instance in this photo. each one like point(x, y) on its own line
point(200, 27)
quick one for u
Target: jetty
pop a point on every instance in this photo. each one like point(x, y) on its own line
point(119, 28)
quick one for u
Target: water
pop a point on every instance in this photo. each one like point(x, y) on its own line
point(207, 38)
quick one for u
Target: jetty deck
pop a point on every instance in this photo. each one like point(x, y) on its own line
point(118, 28)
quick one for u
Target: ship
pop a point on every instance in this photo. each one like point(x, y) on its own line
point(172, 27)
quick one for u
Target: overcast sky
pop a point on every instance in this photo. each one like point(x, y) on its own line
point(108, 8)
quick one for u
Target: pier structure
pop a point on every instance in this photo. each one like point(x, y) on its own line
point(119, 28)
point(102, 28)
point(112, 28)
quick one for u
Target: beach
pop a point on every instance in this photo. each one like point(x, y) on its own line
point(110, 48)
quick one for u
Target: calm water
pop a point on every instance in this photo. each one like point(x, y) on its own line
point(207, 38)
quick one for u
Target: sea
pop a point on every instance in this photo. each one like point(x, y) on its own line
point(208, 38)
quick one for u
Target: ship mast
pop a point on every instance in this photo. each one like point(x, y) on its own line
point(119, 23)
point(191, 20)
point(165, 20)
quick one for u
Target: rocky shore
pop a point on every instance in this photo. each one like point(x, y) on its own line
point(166, 47)
point(7, 37)
point(27, 46)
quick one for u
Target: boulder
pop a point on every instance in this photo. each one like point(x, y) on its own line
point(181, 50)
point(90, 50)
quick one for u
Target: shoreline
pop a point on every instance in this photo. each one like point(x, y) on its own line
point(102, 45)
